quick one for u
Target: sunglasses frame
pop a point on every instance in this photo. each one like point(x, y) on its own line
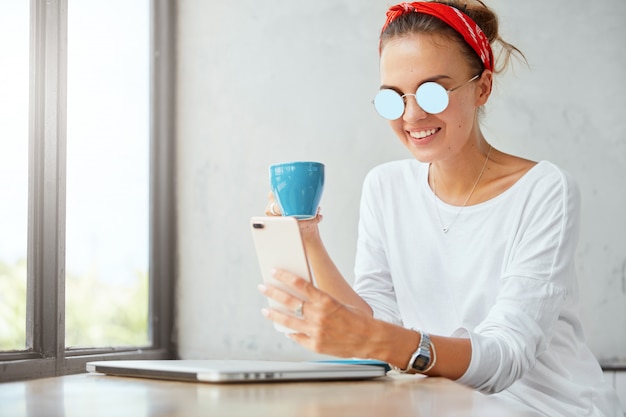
point(430, 84)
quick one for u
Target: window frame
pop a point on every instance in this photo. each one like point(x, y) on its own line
point(46, 354)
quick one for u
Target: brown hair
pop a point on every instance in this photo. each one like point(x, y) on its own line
point(484, 17)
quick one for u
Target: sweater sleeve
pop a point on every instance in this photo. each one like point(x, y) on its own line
point(538, 274)
point(372, 274)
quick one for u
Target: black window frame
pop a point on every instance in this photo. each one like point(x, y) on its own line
point(46, 354)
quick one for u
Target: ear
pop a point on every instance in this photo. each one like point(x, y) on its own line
point(483, 91)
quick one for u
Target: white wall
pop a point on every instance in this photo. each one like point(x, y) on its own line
point(262, 82)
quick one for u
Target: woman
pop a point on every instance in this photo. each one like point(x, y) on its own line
point(465, 255)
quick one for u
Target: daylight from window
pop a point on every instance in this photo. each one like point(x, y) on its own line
point(107, 173)
point(14, 33)
point(107, 205)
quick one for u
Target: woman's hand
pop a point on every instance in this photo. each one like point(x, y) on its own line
point(272, 208)
point(308, 228)
point(323, 324)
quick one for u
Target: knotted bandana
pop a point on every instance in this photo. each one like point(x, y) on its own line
point(459, 21)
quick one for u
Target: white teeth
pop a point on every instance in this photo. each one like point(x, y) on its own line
point(423, 133)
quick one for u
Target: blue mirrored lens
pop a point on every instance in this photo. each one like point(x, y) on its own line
point(389, 104)
point(432, 97)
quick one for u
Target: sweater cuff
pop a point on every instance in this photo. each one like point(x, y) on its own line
point(479, 372)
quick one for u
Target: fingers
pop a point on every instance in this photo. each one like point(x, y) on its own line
point(290, 310)
point(325, 325)
point(297, 324)
point(300, 286)
point(290, 302)
point(272, 208)
point(297, 298)
point(291, 293)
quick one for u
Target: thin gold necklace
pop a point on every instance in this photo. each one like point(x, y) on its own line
point(447, 228)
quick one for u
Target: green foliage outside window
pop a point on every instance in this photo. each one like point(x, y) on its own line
point(12, 306)
point(98, 313)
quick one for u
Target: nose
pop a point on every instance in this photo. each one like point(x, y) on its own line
point(412, 110)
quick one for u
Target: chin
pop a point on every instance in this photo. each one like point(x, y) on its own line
point(422, 155)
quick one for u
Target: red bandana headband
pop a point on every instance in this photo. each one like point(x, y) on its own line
point(459, 21)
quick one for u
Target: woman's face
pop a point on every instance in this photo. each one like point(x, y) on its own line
point(407, 62)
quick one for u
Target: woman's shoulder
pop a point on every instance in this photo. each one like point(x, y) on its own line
point(546, 184)
point(515, 173)
point(548, 175)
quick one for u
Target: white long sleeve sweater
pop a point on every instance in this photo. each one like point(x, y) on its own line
point(503, 275)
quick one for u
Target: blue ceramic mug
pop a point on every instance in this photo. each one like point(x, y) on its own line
point(298, 187)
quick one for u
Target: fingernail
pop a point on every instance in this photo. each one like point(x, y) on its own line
point(262, 288)
point(265, 312)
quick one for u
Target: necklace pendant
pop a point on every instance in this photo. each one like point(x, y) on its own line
point(445, 230)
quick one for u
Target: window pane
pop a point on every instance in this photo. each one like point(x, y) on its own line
point(107, 173)
point(14, 46)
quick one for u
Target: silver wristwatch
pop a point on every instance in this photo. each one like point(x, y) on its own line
point(421, 357)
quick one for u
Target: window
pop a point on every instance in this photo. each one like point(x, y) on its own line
point(89, 256)
point(14, 30)
point(107, 173)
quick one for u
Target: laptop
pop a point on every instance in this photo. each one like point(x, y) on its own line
point(224, 371)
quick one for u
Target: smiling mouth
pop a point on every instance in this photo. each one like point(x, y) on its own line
point(423, 133)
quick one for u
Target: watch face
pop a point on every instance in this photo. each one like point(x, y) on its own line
point(421, 362)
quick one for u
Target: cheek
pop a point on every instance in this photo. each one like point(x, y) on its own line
point(463, 114)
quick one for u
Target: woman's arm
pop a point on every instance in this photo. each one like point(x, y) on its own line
point(337, 321)
point(327, 276)
point(330, 327)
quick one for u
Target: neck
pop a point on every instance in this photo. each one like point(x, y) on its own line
point(453, 179)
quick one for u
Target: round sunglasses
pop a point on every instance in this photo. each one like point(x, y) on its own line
point(432, 97)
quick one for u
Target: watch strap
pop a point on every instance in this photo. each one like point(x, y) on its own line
point(420, 359)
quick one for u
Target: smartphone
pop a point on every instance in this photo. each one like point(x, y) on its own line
point(279, 245)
